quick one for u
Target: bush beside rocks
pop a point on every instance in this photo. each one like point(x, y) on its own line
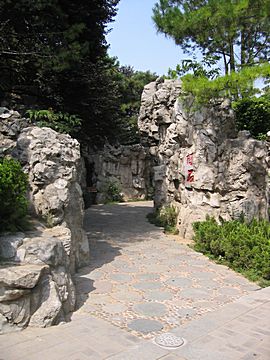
point(245, 247)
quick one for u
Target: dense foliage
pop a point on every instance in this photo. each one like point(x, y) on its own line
point(244, 247)
point(60, 122)
point(253, 114)
point(13, 186)
point(130, 86)
point(53, 54)
point(112, 192)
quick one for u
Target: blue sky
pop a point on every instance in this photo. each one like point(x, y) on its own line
point(134, 39)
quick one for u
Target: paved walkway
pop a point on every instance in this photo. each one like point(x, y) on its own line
point(140, 284)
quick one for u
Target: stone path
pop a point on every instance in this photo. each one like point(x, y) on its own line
point(144, 281)
point(141, 284)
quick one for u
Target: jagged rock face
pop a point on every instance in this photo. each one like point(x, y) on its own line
point(36, 286)
point(55, 169)
point(53, 298)
point(11, 124)
point(203, 166)
point(53, 163)
point(129, 166)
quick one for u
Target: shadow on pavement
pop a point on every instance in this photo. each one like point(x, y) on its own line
point(109, 228)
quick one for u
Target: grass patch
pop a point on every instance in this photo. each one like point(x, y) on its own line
point(165, 217)
point(243, 247)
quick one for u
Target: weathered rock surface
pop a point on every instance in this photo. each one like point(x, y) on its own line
point(128, 166)
point(36, 286)
point(53, 163)
point(11, 125)
point(203, 165)
point(21, 277)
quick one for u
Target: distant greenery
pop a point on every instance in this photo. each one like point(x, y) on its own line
point(58, 121)
point(130, 86)
point(61, 61)
point(165, 217)
point(243, 247)
point(253, 114)
point(13, 187)
point(53, 54)
point(207, 67)
point(112, 192)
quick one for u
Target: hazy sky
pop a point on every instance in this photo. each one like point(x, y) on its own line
point(134, 39)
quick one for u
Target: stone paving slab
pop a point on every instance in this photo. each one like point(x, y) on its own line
point(219, 335)
point(220, 314)
point(141, 266)
point(238, 331)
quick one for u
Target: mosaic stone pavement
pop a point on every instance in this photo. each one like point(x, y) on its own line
point(144, 281)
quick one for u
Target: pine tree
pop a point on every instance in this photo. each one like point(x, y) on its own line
point(234, 31)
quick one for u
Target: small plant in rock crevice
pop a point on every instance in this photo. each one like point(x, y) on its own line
point(165, 217)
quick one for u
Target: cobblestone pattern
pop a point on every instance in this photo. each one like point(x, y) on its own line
point(137, 272)
point(238, 330)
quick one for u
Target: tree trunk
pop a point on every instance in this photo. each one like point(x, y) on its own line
point(225, 64)
point(232, 60)
point(243, 48)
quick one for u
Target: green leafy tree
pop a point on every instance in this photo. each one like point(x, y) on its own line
point(231, 85)
point(60, 122)
point(205, 68)
point(131, 84)
point(54, 54)
point(236, 32)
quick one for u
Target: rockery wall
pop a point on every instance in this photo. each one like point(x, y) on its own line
point(127, 166)
point(203, 166)
point(36, 268)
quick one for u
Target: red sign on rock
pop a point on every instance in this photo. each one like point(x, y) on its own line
point(189, 172)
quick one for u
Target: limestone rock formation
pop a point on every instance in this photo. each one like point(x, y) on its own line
point(54, 166)
point(203, 167)
point(36, 286)
point(11, 125)
point(128, 166)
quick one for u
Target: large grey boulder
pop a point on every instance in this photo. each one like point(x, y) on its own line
point(36, 286)
point(11, 124)
point(53, 163)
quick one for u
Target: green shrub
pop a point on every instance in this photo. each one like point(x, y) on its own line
point(112, 192)
point(165, 217)
point(58, 121)
point(13, 186)
point(253, 115)
point(244, 247)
